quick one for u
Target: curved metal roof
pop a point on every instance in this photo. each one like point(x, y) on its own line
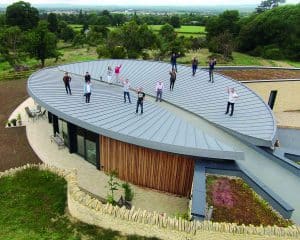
point(107, 115)
point(252, 121)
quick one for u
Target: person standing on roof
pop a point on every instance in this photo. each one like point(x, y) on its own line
point(174, 57)
point(117, 72)
point(172, 79)
point(126, 87)
point(159, 88)
point(87, 77)
point(140, 100)
point(109, 74)
point(67, 80)
point(87, 91)
point(232, 97)
point(211, 65)
point(194, 65)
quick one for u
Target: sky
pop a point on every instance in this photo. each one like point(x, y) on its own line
point(146, 3)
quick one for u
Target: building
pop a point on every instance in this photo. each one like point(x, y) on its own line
point(159, 149)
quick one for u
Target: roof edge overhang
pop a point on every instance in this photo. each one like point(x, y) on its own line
point(188, 151)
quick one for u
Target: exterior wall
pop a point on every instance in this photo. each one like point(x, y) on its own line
point(145, 167)
point(288, 96)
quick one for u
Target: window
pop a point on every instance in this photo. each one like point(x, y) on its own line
point(87, 145)
point(63, 131)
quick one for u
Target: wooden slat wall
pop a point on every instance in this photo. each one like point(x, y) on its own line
point(141, 166)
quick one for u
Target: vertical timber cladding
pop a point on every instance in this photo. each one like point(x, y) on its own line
point(150, 168)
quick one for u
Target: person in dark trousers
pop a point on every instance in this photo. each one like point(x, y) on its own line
point(232, 97)
point(87, 77)
point(140, 100)
point(194, 65)
point(159, 88)
point(174, 60)
point(211, 64)
point(172, 79)
point(126, 86)
point(67, 80)
point(87, 91)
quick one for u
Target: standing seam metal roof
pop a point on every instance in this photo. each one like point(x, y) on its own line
point(108, 115)
point(253, 120)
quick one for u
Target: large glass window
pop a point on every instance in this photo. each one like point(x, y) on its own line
point(63, 131)
point(87, 145)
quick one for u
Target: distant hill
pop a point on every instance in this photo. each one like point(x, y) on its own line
point(178, 9)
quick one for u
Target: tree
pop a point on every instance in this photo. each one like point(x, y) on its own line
point(175, 21)
point(21, 14)
point(65, 32)
point(167, 32)
point(53, 22)
point(79, 40)
point(270, 31)
point(268, 4)
point(41, 43)
point(2, 20)
point(223, 44)
point(227, 21)
point(135, 38)
point(12, 45)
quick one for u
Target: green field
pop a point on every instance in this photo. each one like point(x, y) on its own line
point(76, 27)
point(33, 204)
point(186, 31)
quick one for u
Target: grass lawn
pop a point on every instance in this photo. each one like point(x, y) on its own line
point(186, 31)
point(76, 27)
point(33, 206)
point(234, 201)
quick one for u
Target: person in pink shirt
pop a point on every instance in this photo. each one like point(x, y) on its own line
point(159, 88)
point(117, 72)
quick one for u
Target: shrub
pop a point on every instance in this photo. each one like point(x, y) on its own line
point(258, 51)
point(132, 54)
point(103, 51)
point(127, 192)
point(272, 53)
point(14, 121)
point(118, 52)
point(113, 186)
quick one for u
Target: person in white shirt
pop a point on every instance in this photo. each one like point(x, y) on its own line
point(87, 91)
point(159, 88)
point(232, 97)
point(126, 87)
point(109, 74)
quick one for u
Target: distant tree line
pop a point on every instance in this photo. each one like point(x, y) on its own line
point(272, 31)
point(116, 19)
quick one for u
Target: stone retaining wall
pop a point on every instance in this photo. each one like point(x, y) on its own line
point(135, 221)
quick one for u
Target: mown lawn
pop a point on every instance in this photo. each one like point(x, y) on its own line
point(186, 31)
point(234, 201)
point(33, 206)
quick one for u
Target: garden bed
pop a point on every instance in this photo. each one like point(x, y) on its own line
point(14, 147)
point(264, 74)
point(234, 201)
